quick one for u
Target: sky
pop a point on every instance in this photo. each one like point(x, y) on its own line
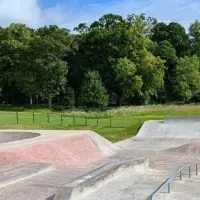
point(69, 13)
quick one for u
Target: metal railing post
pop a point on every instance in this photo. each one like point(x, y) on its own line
point(180, 175)
point(61, 119)
point(196, 169)
point(169, 188)
point(189, 172)
point(74, 120)
point(33, 118)
point(48, 120)
point(17, 117)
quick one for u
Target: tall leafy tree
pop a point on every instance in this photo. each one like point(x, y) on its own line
point(13, 59)
point(173, 33)
point(149, 67)
point(194, 32)
point(167, 52)
point(128, 83)
point(48, 49)
point(188, 78)
point(92, 92)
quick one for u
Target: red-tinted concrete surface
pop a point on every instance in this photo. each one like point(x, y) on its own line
point(74, 151)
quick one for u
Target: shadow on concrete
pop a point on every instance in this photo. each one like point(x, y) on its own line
point(51, 197)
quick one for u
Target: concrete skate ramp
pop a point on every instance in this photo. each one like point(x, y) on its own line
point(182, 120)
point(14, 136)
point(159, 129)
point(77, 150)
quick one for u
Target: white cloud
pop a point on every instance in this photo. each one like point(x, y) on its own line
point(29, 11)
point(23, 11)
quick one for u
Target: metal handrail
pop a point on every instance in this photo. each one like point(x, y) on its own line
point(167, 182)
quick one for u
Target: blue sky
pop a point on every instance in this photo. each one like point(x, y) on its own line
point(69, 13)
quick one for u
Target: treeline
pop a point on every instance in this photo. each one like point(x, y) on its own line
point(114, 61)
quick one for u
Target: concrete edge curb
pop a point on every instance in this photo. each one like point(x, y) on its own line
point(95, 179)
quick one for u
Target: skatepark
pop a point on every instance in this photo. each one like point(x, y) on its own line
point(161, 162)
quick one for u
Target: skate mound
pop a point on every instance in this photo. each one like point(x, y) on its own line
point(78, 150)
point(180, 128)
point(192, 149)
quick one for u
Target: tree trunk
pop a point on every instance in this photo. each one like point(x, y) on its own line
point(76, 98)
point(31, 99)
point(50, 102)
point(37, 99)
point(6, 98)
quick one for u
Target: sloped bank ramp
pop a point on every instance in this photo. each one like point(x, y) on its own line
point(171, 127)
point(63, 149)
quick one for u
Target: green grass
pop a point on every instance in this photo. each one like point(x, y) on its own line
point(125, 122)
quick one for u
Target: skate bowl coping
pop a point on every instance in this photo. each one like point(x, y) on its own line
point(15, 136)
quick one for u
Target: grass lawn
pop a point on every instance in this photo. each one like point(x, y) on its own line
point(124, 121)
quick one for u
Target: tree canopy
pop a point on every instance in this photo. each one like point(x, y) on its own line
point(112, 61)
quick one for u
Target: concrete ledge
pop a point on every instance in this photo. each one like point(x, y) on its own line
point(94, 179)
point(13, 173)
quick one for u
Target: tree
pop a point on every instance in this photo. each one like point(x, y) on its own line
point(173, 33)
point(167, 52)
point(188, 78)
point(194, 32)
point(149, 67)
point(179, 39)
point(160, 32)
point(92, 92)
point(48, 50)
point(13, 59)
point(67, 97)
point(100, 47)
point(128, 83)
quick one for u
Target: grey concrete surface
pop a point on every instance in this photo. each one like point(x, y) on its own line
point(155, 140)
point(187, 189)
point(15, 136)
point(127, 186)
point(15, 172)
point(182, 120)
point(158, 129)
point(95, 179)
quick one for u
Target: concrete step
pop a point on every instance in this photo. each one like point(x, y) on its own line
point(12, 173)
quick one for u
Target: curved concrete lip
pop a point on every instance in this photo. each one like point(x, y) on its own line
point(6, 136)
point(40, 136)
